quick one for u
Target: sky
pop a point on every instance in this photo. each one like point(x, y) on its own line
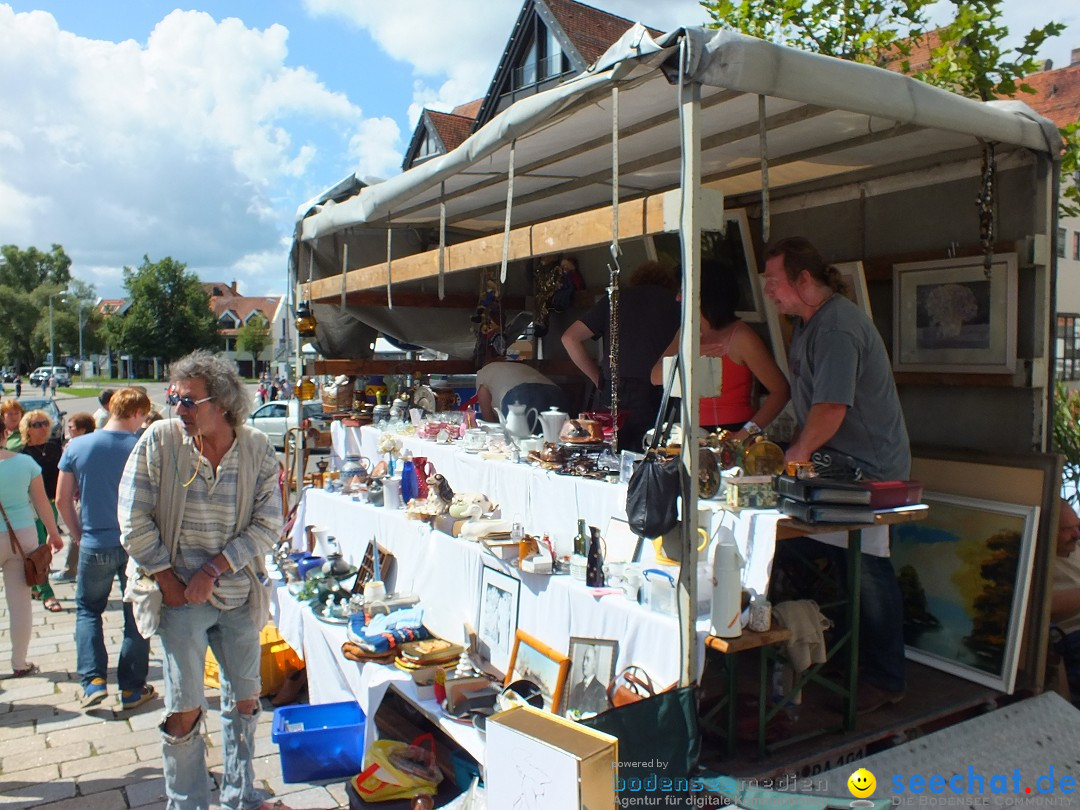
point(132, 129)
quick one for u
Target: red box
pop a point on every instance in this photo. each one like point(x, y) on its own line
point(890, 494)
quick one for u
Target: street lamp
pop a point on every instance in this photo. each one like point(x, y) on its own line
point(80, 339)
point(52, 336)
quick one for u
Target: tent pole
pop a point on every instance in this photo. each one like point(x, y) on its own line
point(689, 349)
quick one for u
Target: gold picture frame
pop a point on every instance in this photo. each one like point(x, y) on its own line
point(535, 661)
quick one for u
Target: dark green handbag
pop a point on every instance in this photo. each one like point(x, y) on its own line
point(659, 742)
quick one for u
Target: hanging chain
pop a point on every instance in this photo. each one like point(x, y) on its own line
point(613, 353)
point(985, 203)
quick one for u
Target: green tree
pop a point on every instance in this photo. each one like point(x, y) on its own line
point(168, 314)
point(27, 278)
point(1067, 436)
point(967, 54)
point(253, 338)
point(870, 31)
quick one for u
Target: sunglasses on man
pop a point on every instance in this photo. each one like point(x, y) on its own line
point(187, 402)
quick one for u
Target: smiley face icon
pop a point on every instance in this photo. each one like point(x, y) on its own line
point(861, 783)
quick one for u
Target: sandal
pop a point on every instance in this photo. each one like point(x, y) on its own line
point(29, 669)
point(52, 604)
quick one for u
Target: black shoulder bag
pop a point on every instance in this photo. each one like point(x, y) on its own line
point(652, 495)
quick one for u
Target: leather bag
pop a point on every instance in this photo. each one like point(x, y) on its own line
point(630, 686)
point(652, 494)
point(37, 563)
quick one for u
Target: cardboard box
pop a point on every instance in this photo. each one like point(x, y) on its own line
point(536, 759)
point(448, 524)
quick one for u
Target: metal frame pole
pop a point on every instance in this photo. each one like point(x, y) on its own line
point(689, 350)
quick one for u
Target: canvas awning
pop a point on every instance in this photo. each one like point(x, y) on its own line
point(824, 117)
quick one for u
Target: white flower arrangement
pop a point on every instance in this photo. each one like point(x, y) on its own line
point(389, 444)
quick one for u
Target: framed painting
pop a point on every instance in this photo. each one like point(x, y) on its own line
point(496, 625)
point(780, 326)
point(532, 660)
point(733, 244)
point(965, 572)
point(953, 316)
point(592, 669)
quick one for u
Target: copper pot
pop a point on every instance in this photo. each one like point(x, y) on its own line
point(581, 431)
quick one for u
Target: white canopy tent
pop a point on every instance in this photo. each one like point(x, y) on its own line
point(752, 119)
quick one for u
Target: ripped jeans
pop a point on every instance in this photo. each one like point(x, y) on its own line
point(232, 635)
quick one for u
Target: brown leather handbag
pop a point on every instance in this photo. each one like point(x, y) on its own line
point(631, 685)
point(37, 563)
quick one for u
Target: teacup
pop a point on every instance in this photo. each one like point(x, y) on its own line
point(474, 439)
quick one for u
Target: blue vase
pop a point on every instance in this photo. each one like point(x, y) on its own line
point(408, 482)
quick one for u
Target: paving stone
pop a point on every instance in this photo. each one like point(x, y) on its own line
point(45, 792)
point(146, 717)
point(340, 794)
point(54, 698)
point(312, 798)
point(70, 735)
point(28, 713)
point(123, 777)
point(92, 764)
point(20, 745)
point(109, 800)
point(116, 741)
point(54, 756)
point(150, 752)
point(28, 689)
point(16, 728)
point(21, 779)
point(149, 791)
point(68, 719)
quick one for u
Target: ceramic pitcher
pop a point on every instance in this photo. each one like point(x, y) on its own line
point(516, 422)
point(424, 469)
point(552, 421)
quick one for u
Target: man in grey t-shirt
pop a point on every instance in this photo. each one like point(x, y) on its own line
point(846, 401)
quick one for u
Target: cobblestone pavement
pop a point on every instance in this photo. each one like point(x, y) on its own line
point(53, 754)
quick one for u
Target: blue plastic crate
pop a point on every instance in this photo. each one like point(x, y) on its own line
point(325, 741)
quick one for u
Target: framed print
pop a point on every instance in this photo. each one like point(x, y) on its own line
point(532, 660)
point(952, 316)
point(734, 245)
point(592, 669)
point(854, 278)
point(497, 623)
point(965, 573)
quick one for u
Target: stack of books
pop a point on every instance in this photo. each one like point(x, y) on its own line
point(814, 500)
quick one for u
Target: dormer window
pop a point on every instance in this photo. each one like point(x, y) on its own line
point(428, 147)
point(542, 57)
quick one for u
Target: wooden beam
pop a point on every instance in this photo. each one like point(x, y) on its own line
point(559, 367)
point(637, 218)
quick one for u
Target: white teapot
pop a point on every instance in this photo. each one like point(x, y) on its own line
point(516, 422)
point(553, 420)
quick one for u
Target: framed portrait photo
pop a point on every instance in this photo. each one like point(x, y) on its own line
point(592, 669)
point(496, 625)
point(954, 316)
point(535, 661)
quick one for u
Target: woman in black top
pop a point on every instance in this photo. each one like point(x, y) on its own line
point(36, 429)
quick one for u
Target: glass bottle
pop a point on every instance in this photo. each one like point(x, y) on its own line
point(594, 563)
point(581, 541)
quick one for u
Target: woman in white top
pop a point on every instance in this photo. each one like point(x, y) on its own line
point(22, 494)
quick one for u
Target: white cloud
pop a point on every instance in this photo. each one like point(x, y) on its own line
point(374, 147)
point(177, 147)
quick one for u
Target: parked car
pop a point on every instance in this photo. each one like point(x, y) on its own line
point(50, 407)
point(275, 418)
point(41, 373)
point(8, 375)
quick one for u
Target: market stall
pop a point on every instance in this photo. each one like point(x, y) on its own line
point(878, 169)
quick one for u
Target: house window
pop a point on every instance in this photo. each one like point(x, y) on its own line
point(229, 344)
point(542, 59)
point(428, 147)
point(1068, 346)
point(1061, 235)
point(226, 321)
point(1076, 245)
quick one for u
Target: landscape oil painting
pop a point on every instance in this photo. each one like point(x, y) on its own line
point(964, 574)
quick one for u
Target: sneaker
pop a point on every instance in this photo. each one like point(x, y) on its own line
point(61, 576)
point(94, 693)
point(132, 699)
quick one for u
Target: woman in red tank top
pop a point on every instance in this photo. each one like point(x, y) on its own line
point(743, 357)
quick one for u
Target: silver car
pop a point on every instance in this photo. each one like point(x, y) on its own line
point(275, 418)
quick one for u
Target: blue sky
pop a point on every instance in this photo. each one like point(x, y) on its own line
point(143, 128)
